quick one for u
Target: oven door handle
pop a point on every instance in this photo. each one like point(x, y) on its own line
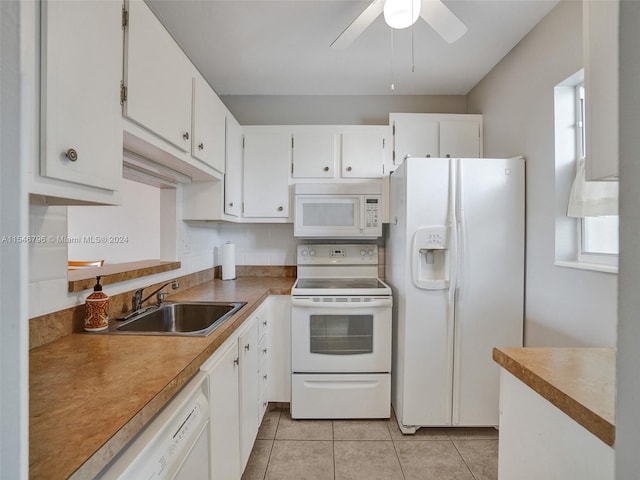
point(336, 303)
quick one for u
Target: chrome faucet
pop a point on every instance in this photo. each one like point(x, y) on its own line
point(138, 300)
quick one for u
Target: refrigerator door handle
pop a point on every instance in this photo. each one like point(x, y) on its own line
point(457, 291)
point(453, 280)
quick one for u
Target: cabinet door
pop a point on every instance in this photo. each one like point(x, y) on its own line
point(600, 38)
point(363, 154)
point(249, 391)
point(225, 416)
point(460, 138)
point(208, 125)
point(415, 135)
point(266, 174)
point(233, 175)
point(81, 112)
point(314, 154)
point(159, 78)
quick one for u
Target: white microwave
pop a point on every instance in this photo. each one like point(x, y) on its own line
point(338, 210)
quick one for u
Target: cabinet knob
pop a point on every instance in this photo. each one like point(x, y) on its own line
point(428, 155)
point(264, 376)
point(264, 350)
point(236, 361)
point(71, 154)
point(326, 169)
point(185, 135)
point(264, 323)
point(201, 146)
point(280, 208)
point(448, 155)
point(349, 169)
point(231, 204)
point(247, 347)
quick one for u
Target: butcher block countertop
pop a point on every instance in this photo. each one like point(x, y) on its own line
point(92, 393)
point(579, 381)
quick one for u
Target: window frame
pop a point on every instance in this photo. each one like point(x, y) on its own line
point(582, 255)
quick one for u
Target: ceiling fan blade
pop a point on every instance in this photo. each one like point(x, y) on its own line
point(442, 20)
point(359, 25)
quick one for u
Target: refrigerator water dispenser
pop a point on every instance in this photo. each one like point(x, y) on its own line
point(430, 258)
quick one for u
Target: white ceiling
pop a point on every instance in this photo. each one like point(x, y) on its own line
point(266, 47)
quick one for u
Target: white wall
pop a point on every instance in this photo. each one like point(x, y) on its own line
point(132, 229)
point(564, 307)
point(197, 245)
point(336, 109)
point(14, 334)
point(627, 412)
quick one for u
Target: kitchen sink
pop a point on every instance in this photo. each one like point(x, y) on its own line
point(180, 318)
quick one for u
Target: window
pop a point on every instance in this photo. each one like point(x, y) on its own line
point(586, 217)
point(597, 235)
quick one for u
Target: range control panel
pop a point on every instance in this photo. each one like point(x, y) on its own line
point(362, 254)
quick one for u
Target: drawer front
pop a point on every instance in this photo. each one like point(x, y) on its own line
point(341, 396)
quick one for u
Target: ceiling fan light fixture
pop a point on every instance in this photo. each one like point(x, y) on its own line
point(401, 13)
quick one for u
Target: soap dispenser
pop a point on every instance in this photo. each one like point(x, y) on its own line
point(97, 309)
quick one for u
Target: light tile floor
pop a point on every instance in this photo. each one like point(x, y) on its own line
point(368, 450)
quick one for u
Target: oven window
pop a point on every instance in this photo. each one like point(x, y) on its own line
point(328, 214)
point(341, 334)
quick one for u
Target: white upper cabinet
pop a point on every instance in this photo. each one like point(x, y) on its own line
point(208, 140)
point(600, 49)
point(436, 135)
point(158, 77)
point(81, 123)
point(233, 175)
point(340, 151)
point(315, 152)
point(415, 135)
point(460, 138)
point(363, 152)
point(267, 157)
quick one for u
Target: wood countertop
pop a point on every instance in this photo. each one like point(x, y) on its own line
point(92, 393)
point(579, 381)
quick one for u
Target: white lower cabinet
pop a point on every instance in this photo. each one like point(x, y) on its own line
point(538, 440)
point(244, 376)
point(225, 415)
point(249, 390)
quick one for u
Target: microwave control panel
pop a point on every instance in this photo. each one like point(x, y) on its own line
point(371, 212)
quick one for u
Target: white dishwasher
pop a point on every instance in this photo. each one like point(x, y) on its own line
point(175, 445)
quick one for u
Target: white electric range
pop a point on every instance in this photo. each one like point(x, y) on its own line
point(340, 334)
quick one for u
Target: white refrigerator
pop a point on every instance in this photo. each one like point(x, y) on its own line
point(454, 258)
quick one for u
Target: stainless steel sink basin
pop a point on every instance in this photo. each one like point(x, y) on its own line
point(181, 318)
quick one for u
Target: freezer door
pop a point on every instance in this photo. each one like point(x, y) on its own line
point(489, 299)
point(423, 355)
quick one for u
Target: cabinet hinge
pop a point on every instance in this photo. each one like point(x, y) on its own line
point(393, 129)
point(125, 17)
point(291, 142)
point(243, 208)
point(123, 93)
point(243, 142)
point(393, 157)
point(292, 168)
point(383, 143)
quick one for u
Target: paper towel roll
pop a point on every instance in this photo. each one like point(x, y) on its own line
point(228, 261)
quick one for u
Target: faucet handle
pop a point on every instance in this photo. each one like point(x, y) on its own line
point(160, 297)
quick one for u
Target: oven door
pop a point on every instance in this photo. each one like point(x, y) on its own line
point(341, 335)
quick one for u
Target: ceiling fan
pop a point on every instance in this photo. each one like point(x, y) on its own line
point(404, 13)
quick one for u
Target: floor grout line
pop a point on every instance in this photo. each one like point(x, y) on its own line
point(463, 459)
